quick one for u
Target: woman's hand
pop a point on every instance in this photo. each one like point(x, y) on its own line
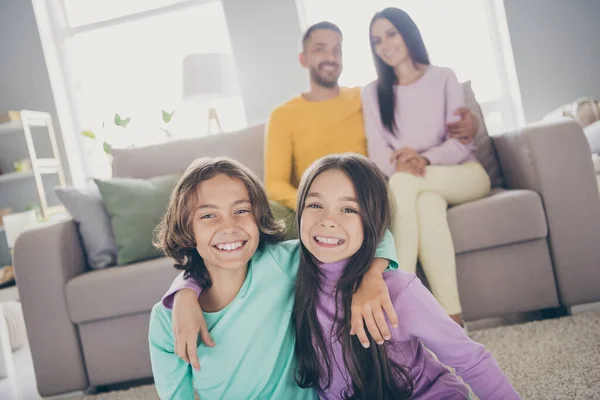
point(187, 322)
point(408, 160)
point(368, 304)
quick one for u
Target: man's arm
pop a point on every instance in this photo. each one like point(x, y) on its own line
point(278, 161)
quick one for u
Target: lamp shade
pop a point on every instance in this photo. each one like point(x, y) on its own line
point(209, 76)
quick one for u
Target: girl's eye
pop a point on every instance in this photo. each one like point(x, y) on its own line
point(208, 216)
point(349, 210)
point(239, 212)
point(314, 206)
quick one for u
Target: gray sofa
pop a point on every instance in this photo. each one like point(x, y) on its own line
point(533, 244)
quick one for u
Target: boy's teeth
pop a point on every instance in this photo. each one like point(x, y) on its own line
point(230, 246)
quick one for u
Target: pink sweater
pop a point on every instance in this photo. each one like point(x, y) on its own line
point(423, 110)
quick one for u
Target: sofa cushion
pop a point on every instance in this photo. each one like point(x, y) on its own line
point(93, 222)
point(245, 146)
point(484, 147)
point(136, 206)
point(115, 292)
point(504, 217)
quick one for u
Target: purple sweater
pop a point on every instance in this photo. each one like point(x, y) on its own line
point(423, 325)
point(423, 110)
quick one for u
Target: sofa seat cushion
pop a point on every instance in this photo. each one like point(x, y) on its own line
point(119, 291)
point(502, 218)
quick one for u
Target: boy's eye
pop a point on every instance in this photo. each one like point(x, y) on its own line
point(349, 210)
point(314, 205)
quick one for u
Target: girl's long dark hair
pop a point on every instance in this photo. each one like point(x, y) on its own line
point(374, 376)
point(386, 77)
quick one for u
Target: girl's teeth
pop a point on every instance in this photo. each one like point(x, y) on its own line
point(329, 240)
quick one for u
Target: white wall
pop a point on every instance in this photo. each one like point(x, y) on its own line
point(24, 81)
point(556, 45)
point(265, 36)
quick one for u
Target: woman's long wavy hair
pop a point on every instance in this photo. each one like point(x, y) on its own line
point(386, 77)
point(374, 376)
point(174, 235)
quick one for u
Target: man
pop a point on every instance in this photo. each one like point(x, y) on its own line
point(327, 119)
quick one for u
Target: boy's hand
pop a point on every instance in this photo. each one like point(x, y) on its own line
point(368, 303)
point(187, 322)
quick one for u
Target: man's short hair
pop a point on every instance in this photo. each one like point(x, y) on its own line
point(320, 25)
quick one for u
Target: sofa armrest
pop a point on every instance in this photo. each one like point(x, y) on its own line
point(45, 260)
point(554, 160)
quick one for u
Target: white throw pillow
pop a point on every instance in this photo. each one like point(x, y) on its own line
point(592, 133)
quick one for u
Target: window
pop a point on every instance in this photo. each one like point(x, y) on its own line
point(462, 35)
point(126, 57)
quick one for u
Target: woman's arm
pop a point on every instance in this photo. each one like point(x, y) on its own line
point(423, 318)
point(172, 376)
point(451, 151)
point(377, 147)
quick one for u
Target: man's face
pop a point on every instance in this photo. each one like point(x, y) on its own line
point(322, 55)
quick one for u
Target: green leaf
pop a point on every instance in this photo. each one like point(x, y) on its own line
point(107, 148)
point(125, 122)
point(89, 134)
point(118, 119)
point(167, 132)
point(167, 116)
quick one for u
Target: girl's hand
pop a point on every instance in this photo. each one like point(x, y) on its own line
point(368, 303)
point(187, 322)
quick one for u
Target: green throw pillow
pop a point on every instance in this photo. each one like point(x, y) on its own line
point(136, 206)
point(289, 219)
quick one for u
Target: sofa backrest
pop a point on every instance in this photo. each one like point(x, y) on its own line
point(245, 146)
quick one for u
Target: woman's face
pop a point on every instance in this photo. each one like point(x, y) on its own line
point(224, 226)
point(331, 227)
point(389, 43)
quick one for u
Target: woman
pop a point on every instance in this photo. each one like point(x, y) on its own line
point(406, 112)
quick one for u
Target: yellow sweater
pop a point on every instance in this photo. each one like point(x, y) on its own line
point(300, 132)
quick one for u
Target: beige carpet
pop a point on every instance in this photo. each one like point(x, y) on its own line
point(552, 359)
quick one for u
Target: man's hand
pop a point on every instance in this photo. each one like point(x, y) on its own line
point(408, 160)
point(368, 303)
point(465, 129)
point(187, 322)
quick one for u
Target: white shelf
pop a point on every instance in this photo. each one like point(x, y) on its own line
point(15, 176)
point(10, 127)
point(15, 127)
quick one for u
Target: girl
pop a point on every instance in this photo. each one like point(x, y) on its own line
point(344, 197)
point(219, 229)
point(406, 112)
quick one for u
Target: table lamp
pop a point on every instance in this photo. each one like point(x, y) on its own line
point(207, 77)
